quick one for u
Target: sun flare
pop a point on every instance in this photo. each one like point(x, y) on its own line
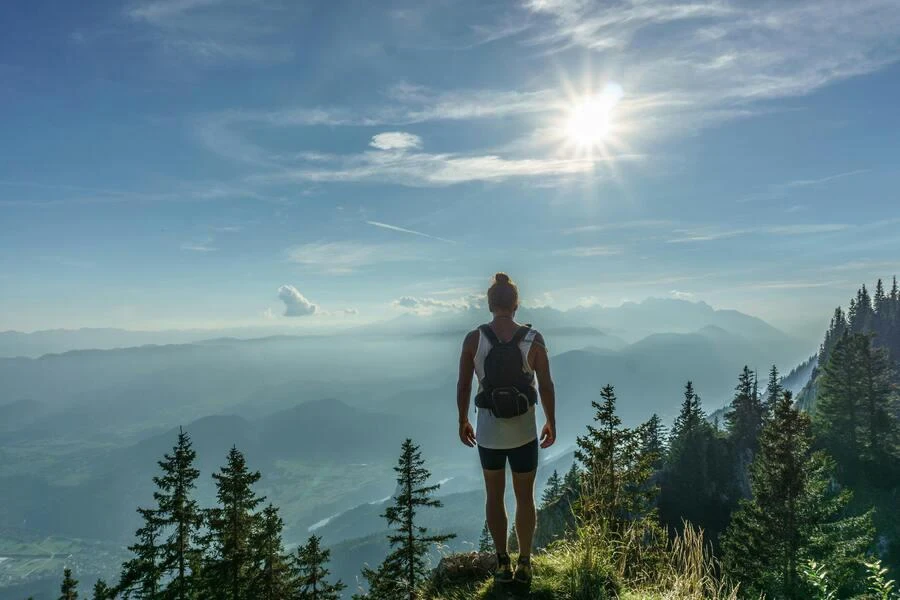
point(590, 118)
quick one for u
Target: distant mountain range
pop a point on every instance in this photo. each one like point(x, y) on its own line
point(631, 320)
point(124, 394)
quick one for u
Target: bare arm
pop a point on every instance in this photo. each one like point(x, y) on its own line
point(464, 387)
point(541, 365)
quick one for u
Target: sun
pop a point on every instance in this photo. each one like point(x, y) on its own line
point(590, 118)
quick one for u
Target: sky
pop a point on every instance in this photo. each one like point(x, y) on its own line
point(300, 164)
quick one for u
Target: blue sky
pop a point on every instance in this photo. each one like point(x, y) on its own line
point(207, 163)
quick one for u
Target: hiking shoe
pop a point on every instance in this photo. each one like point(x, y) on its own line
point(504, 573)
point(523, 570)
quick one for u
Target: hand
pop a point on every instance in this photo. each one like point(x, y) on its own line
point(548, 435)
point(467, 434)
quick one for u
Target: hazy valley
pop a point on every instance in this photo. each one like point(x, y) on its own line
point(322, 417)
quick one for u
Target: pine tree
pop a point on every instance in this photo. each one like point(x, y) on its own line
point(880, 421)
point(855, 409)
point(553, 489)
point(274, 575)
point(690, 418)
point(881, 301)
point(793, 514)
point(615, 471)
point(864, 312)
point(102, 591)
point(852, 316)
point(774, 390)
point(404, 569)
point(180, 514)
point(141, 574)
point(698, 480)
point(486, 542)
point(653, 441)
point(833, 335)
point(745, 416)
point(69, 588)
point(572, 479)
point(232, 570)
point(311, 581)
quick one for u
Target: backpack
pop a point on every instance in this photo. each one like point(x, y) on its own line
point(507, 386)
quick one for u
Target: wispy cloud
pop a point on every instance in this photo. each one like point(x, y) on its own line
point(710, 234)
point(706, 235)
point(427, 306)
point(409, 231)
point(791, 285)
point(588, 251)
point(704, 61)
point(805, 229)
point(212, 31)
point(612, 226)
point(422, 169)
point(341, 258)
point(204, 246)
point(185, 192)
point(781, 190)
point(161, 10)
point(401, 104)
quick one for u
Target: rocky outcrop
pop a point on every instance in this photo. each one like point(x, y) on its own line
point(473, 566)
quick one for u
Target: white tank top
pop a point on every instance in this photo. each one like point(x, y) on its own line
point(504, 434)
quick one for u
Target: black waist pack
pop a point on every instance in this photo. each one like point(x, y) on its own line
point(508, 402)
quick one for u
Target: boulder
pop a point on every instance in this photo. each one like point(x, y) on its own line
point(471, 566)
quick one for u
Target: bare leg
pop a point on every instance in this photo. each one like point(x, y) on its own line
point(495, 510)
point(526, 514)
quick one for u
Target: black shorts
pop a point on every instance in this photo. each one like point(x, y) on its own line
point(523, 459)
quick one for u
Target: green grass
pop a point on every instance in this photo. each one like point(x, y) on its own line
point(579, 569)
point(592, 567)
point(554, 579)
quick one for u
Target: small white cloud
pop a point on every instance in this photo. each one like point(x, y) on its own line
point(396, 140)
point(682, 295)
point(268, 314)
point(295, 303)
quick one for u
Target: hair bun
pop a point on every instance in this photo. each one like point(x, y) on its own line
point(501, 278)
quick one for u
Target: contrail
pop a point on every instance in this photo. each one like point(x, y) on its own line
point(410, 231)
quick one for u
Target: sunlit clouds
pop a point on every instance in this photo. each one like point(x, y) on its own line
point(295, 303)
point(591, 148)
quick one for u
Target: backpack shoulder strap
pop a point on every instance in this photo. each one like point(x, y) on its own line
point(523, 331)
point(487, 332)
